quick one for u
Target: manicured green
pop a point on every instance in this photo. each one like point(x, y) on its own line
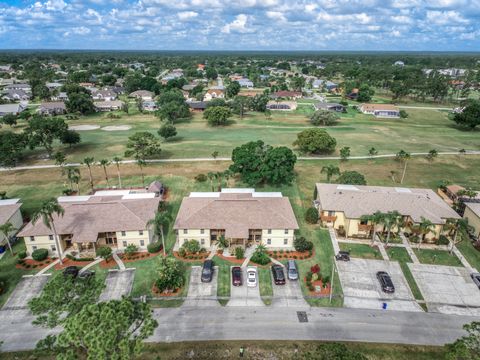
point(438, 257)
point(471, 254)
point(265, 283)
point(361, 251)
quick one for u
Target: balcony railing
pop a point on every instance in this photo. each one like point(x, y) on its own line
point(328, 218)
point(364, 227)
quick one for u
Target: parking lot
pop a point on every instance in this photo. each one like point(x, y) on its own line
point(244, 295)
point(447, 289)
point(361, 288)
point(28, 288)
point(288, 295)
point(199, 293)
point(117, 284)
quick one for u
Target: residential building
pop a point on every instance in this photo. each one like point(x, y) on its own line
point(381, 110)
point(330, 107)
point(343, 206)
point(214, 94)
point(52, 108)
point(282, 105)
point(10, 213)
point(145, 95)
point(114, 218)
point(12, 108)
point(472, 214)
point(243, 216)
point(149, 105)
point(106, 95)
point(286, 94)
point(62, 96)
point(20, 86)
point(15, 95)
point(108, 105)
point(328, 85)
point(399, 63)
point(53, 85)
point(245, 83)
point(197, 106)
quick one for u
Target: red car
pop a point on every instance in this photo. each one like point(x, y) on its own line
point(236, 276)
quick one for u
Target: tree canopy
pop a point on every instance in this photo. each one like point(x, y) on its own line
point(315, 141)
point(351, 178)
point(324, 118)
point(142, 145)
point(42, 131)
point(217, 115)
point(470, 116)
point(11, 148)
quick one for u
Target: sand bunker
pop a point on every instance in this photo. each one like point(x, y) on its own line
point(117, 128)
point(83, 127)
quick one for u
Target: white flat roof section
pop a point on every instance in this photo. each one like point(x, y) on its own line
point(111, 193)
point(9, 201)
point(78, 198)
point(204, 194)
point(138, 196)
point(238, 191)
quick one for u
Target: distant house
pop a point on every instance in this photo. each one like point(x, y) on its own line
point(62, 96)
point(106, 95)
point(5, 68)
point(319, 83)
point(188, 87)
point(353, 95)
point(108, 105)
point(381, 110)
point(330, 107)
point(282, 105)
point(472, 214)
point(149, 105)
point(286, 94)
point(15, 95)
point(399, 63)
point(53, 85)
point(197, 106)
point(214, 94)
point(52, 108)
point(245, 83)
point(10, 213)
point(14, 109)
point(142, 94)
point(25, 87)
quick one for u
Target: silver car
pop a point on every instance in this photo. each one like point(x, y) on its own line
point(292, 270)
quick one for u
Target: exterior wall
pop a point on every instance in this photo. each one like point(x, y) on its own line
point(17, 221)
point(195, 234)
point(277, 238)
point(473, 220)
point(134, 237)
point(41, 242)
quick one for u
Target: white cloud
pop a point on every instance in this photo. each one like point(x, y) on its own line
point(187, 15)
point(55, 5)
point(238, 25)
point(445, 17)
point(81, 30)
point(276, 15)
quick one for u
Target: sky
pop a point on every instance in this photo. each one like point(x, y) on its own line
point(399, 25)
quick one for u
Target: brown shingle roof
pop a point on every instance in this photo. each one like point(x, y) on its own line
point(99, 214)
point(7, 211)
point(236, 213)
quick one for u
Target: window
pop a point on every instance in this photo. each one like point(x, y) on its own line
point(50, 237)
point(34, 248)
point(286, 231)
point(202, 231)
point(124, 233)
point(285, 241)
point(142, 242)
point(269, 231)
point(269, 241)
point(185, 231)
point(202, 241)
point(32, 238)
point(363, 222)
point(125, 244)
point(53, 248)
point(331, 213)
point(140, 232)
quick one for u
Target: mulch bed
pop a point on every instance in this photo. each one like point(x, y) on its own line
point(69, 262)
point(33, 264)
point(231, 259)
point(197, 257)
point(138, 256)
point(323, 292)
point(157, 292)
point(293, 255)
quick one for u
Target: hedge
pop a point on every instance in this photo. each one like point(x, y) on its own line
point(154, 247)
point(39, 254)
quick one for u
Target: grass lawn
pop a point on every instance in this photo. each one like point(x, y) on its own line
point(401, 255)
point(259, 350)
point(471, 254)
point(361, 251)
point(398, 254)
point(145, 276)
point(437, 257)
point(265, 283)
point(223, 281)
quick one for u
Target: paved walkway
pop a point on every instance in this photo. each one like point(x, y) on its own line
point(119, 261)
point(248, 254)
point(381, 248)
point(333, 237)
point(213, 251)
point(409, 249)
point(97, 260)
point(45, 269)
point(463, 260)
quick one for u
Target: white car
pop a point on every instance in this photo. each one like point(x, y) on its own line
point(251, 277)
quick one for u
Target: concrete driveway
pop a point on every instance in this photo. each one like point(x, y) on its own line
point(361, 288)
point(288, 295)
point(117, 284)
point(447, 289)
point(28, 288)
point(244, 295)
point(199, 293)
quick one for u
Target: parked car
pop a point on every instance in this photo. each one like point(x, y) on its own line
point(237, 276)
point(343, 256)
point(71, 271)
point(476, 279)
point(385, 282)
point(87, 274)
point(251, 277)
point(207, 271)
point(278, 275)
point(292, 271)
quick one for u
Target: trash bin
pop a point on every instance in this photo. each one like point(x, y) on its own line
point(2, 249)
point(384, 306)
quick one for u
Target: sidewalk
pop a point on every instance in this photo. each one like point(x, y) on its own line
point(119, 261)
point(463, 260)
point(409, 249)
point(333, 237)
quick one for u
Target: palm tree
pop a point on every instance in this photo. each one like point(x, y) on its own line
point(372, 152)
point(117, 161)
point(424, 227)
point(104, 163)
point(88, 162)
point(403, 156)
point(211, 177)
point(454, 226)
point(6, 229)
point(227, 174)
point(223, 242)
point(160, 221)
point(330, 170)
point(219, 176)
point(141, 164)
point(432, 154)
point(73, 175)
point(391, 220)
point(375, 219)
point(48, 209)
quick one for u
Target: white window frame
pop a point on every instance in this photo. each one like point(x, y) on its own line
point(269, 241)
point(142, 242)
point(124, 233)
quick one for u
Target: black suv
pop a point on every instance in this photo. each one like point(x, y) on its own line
point(343, 256)
point(278, 275)
point(71, 271)
point(207, 271)
point(385, 282)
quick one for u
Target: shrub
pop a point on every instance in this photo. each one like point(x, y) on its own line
point(403, 114)
point(191, 246)
point(154, 247)
point(39, 254)
point(315, 269)
point(20, 261)
point(171, 274)
point(239, 253)
point(309, 276)
point(22, 254)
point(201, 178)
point(281, 251)
point(311, 215)
point(443, 240)
point(301, 244)
point(311, 288)
point(130, 250)
point(341, 231)
point(259, 257)
point(182, 252)
point(104, 252)
point(315, 276)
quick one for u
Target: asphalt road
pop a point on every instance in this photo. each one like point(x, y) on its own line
point(267, 323)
